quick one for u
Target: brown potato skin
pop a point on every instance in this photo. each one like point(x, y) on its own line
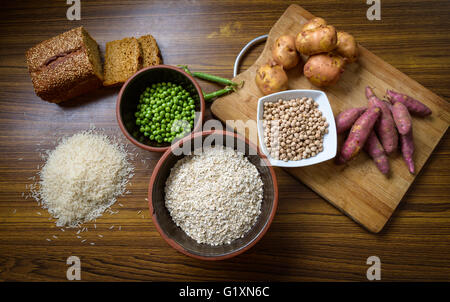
point(284, 52)
point(314, 23)
point(271, 78)
point(324, 69)
point(347, 47)
point(319, 40)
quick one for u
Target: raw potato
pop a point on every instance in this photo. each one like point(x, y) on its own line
point(414, 106)
point(319, 40)
point(346, 118)
point(271, 78)
point(374, 148)
point(407, 144)
point(385, 127)
point(324, 69)
point(358, 134)
point(284, 52)
point(314, 23)
point(402, 118)
point(347, 47)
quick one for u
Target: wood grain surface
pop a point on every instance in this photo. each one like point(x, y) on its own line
point(358, 189)
point(309, 240)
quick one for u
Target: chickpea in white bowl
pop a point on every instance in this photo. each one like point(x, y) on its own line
point(296, 128)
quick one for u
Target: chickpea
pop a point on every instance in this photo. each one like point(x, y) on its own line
point(293, 129)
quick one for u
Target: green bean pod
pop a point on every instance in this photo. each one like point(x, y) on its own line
point(209, 77)
point(209, 96)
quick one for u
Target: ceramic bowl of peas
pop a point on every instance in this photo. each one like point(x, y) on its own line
point(159, 105)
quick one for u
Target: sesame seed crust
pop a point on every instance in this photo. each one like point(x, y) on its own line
point(60, 68)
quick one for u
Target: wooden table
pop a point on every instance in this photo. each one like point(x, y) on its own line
point(309, 239)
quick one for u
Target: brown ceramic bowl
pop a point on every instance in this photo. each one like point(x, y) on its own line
point(128, 100)
point(174, 235)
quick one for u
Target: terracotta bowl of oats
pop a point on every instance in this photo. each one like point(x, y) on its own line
point(213, 195)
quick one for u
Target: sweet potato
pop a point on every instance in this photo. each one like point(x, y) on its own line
point(346, 46)
point(347, 118)
point(358, 134)
point(385, 126)
point(374, 148)
point(407, 144)
point(284, 52)
point(324, 69)
point(318, 40)
point(271, 78)
point(414, 106)
point(401, 117)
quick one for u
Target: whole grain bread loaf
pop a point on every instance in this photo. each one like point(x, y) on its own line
point(65, 66)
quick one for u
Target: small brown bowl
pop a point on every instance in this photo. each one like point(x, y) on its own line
point(174, 235)
point(128, 99)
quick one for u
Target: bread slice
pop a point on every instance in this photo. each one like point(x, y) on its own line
point(122, 60)
point(150, 52)
point(65, 66)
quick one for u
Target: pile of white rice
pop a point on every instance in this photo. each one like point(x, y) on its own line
point(215, 197)
point(82, 177)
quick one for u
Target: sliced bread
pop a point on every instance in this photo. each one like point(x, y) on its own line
point(150, 52)
point(122, 60)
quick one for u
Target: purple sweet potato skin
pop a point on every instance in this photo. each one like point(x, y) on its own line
point(347, 118)
point(407, 144)
point(414, 106)
point(374, 148)
point(385, 126)
point(402, 118)
point(358, 134)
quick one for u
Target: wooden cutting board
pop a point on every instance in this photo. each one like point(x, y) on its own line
point(358, 189)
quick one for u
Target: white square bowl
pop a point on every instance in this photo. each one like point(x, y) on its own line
point(329, 140)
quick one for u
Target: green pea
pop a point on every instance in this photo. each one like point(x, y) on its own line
point(160, 106)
